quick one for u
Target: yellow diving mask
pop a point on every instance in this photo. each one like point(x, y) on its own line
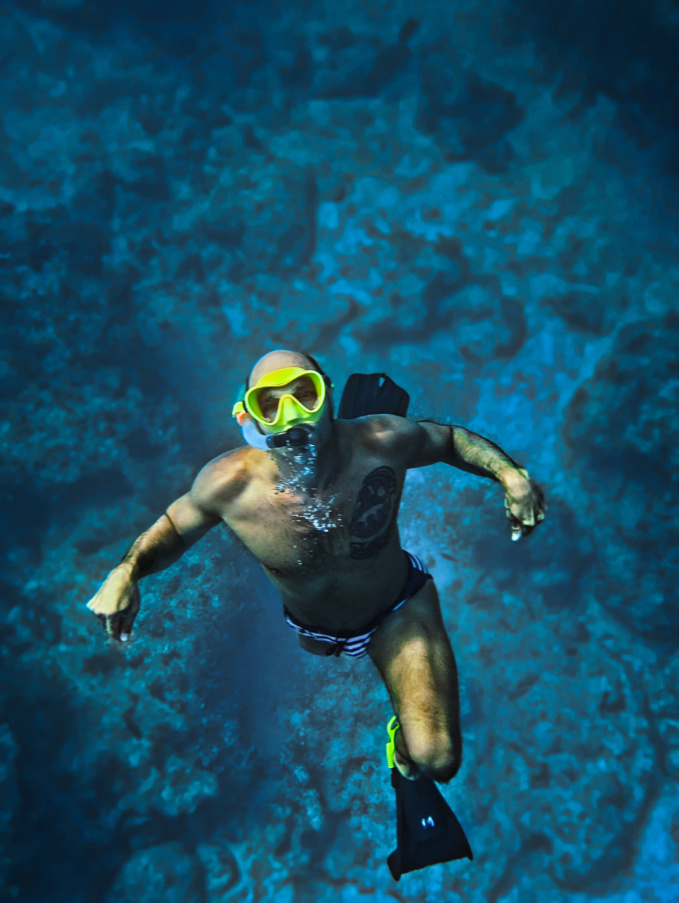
point(279, 413)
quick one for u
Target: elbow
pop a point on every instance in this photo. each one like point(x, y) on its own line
point(175, 531)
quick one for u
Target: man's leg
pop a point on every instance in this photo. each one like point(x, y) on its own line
point(413, 654)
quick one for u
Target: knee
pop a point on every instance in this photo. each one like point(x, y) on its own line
point(442, 770)
point(440, 762)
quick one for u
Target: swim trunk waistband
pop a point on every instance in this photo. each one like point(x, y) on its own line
point(356, 643)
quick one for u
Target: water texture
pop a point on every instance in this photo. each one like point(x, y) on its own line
point(481, 200)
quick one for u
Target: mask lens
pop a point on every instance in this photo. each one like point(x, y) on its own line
point(268, 405)
point(306, 393)
point(303, 388)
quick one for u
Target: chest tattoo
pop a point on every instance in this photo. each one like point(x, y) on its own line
point(373, 514)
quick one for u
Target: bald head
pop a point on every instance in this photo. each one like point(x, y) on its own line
point(277, 360)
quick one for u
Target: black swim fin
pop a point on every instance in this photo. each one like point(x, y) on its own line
point(427, 831)
point(372, 393)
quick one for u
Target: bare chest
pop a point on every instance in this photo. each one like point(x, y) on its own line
point(299, 536)
point(335, 554)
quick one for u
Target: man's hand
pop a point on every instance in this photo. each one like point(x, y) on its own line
point(524, 501)
point(117, 603)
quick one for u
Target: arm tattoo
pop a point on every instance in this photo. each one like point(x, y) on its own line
point(475, 454)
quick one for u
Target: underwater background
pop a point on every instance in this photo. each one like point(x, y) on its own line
point(480, 199)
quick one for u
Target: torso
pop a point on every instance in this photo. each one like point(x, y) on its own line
point(336, 560)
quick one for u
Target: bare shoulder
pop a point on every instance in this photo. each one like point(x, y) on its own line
point(388, 433)
point(213, 491)
point(413, 443)
point(223, 479)
point(386, 427)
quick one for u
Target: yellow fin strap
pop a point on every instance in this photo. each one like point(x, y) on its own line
point(392, 727)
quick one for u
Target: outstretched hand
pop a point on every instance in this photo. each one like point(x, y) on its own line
point(524, 502)
point(117, 603)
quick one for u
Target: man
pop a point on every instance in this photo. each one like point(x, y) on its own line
point(316, 500)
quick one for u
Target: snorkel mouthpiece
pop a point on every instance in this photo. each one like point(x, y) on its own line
point(297, 437)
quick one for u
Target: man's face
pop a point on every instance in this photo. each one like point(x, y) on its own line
point(320, 432)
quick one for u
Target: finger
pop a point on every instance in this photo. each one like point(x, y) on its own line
point(523, 516)
point(126, 622)
point(113, 625)
point(516, 527)
point(520, 529)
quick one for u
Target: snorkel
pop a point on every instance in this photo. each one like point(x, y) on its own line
point(297, 437)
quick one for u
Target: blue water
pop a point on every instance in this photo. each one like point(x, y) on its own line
point(480, 200)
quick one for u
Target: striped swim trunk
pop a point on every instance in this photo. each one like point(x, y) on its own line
point(356, 643)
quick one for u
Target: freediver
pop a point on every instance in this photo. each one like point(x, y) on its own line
point(315, 499)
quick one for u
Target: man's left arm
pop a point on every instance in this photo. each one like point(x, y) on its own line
point(524, 499)
point(429, 443)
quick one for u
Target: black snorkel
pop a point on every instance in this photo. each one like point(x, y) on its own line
point(297, 437)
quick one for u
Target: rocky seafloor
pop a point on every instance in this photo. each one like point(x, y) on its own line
point(480, 199)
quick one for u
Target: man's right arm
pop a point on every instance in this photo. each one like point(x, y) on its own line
point(187, 520)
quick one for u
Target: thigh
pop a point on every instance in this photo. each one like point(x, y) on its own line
point(412, 652)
